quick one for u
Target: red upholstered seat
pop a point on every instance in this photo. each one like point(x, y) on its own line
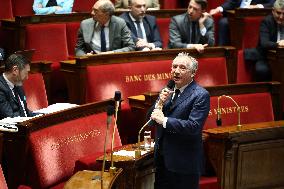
point(71, 32)
point(6, 9)
point(55, 149)
point(49, 40)
point(170, 4)
point(208, 183)
point(35, 91)
point(250, 39)
point(214, 4)
point(216, 19)
point(22, 8)
point(83, 6)
point(163, 24)
point(244, 70)
point(256, 107)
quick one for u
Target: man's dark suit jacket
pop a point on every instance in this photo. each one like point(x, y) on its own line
point(180, 32)
point(233, 4)
point(151, 29)
point(182, 137)
point(267, 40)
point(9, 105)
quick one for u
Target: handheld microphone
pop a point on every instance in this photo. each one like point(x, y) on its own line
point(170, 86)
point(110, 111)
point(117, 98)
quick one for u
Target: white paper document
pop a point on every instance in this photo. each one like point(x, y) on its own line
point(55, 108)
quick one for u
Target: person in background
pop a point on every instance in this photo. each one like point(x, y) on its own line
point(178, 153)
point(104, 33)
point(53, 6)
point(12, 96)
point(124, 4)
point(223, 25)
point(194, 29)
point(271, 36)
point(143, 27)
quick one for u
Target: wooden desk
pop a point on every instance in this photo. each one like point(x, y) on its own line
point(16, 147)
point(16, 27)
point(249, 157)
point(138, 173)
point(236, 23)
point(75, 70)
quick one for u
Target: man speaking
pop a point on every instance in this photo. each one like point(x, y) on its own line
point(178, 147)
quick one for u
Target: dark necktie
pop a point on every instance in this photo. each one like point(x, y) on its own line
point(17, 96)
point(177, 91)
point(103, 39)
point(281, 30)
point(139, 30)
point(51, 3)
point(193, 32)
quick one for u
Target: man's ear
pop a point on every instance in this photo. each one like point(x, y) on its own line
point(192, 75)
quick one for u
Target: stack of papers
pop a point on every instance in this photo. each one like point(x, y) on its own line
point(55, 108)
point(128, 153)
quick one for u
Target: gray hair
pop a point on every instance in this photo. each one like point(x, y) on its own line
point(191, 62)
point(279, 4)
point(16, 60)
point(107, 7)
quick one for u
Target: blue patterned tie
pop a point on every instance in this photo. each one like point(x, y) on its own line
point(103, 39)
point(139, 30)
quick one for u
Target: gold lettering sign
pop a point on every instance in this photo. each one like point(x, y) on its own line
point(147, 77)
point(229, 110)
point(76, 138)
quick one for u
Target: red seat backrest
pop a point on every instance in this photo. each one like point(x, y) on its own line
point(55, 149)
point(163, 24)
point(71, 32)
point(3, 184)
point(214, 4)
point(83, 6)
point(170, 4)
point(250, 39)
point(244, 70)
point(6, 9)
point(22, 8)
point(138, 77)
point(49, 40)
point(35, 91)
point(216, 18)
point(256, 107)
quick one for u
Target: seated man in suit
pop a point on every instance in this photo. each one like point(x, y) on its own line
point(223, 25)
point(144, 29)
point(104, 32)
point(12, 97)
point(194, 29)
point(271, 36)
point(178, 147)
point(53, 6)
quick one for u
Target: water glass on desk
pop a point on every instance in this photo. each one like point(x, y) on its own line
point(147, 140)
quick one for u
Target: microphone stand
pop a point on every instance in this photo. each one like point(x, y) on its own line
point(238, 110)
point(138, 151)
point(117, 98)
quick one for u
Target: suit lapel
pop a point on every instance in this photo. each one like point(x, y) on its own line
point(90, 31)
point(184, 95)
point(147, 28)
point(112, 27)
point(187, 28)
point(3, 81)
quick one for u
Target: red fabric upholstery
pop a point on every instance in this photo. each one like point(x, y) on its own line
point(255, 107)
point(3, 184)
point(49, 40)
point(83, 6)
point(170, 4)
point(6, 9)
point(212, 71)
point(208, 183)
point(22, 8)
point(250, 39)
point(216, 19)
point(55, 149)
point(71, 32)
point(163, 24)
point(244, 70)
point(213, 4)
point(35, 91)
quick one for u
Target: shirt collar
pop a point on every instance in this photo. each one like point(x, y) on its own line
point(132, 18)
point(182, 88)
point(10, 84)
